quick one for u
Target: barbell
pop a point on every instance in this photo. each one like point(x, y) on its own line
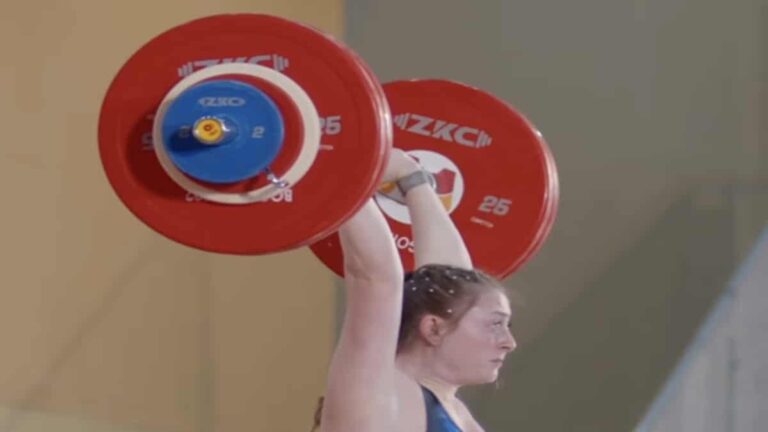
point(251, 134)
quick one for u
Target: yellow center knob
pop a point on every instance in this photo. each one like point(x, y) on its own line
point(209, 131)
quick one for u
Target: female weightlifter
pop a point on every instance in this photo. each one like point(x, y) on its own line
point(406, 347)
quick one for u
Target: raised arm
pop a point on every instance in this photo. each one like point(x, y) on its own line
point(360, 395)
point(435, 237)
point(369, 250)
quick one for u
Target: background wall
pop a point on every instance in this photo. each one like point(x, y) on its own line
point(722, 383)
point(104, 325)
point(640, 101)
point(655, 112)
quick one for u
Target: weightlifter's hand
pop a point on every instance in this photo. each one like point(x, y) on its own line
point(399, 166)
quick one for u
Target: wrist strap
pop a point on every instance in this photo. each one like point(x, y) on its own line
point(414, 179)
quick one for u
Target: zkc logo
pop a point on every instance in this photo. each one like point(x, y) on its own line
point(221, 101)
point(443, 130)
point(275, 61)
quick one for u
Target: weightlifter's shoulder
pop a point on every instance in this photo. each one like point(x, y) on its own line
point(411, 415)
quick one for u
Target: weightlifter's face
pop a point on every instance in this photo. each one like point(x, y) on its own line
point(474, 351)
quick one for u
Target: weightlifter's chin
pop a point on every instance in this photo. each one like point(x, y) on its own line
point(486, 377)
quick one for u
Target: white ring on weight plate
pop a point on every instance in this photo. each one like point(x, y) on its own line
point(310, 144)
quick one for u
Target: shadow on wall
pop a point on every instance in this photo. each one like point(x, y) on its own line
point(604, 358)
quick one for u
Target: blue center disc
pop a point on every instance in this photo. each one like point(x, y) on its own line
point(250, 138)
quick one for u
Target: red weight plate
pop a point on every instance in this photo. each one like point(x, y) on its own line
point(357, 134)
point(494, 173)
point(553, 201)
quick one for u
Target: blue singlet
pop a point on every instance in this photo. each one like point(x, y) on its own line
point(438, 419)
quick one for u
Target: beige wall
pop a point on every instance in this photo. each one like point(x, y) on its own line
point(101, 319)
